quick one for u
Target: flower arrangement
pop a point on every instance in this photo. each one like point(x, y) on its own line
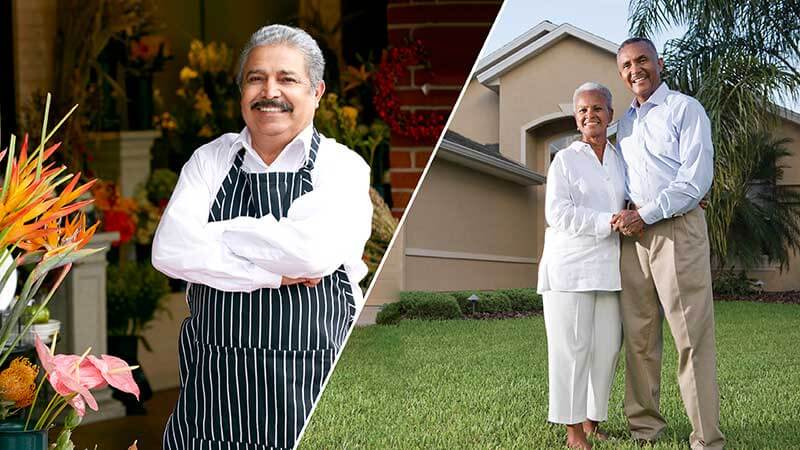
point(71, 377)
point(42, 226)
point(205, 106)
point(116, 212)
point(340, 121)
point(146, 54)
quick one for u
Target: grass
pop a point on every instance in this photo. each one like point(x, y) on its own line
point(483, 385)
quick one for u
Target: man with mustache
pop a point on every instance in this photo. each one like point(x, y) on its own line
point(665, 139)
point(268, 227)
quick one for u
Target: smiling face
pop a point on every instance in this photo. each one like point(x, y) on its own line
point(278, 100)
point(640, 69)
point(592, 115)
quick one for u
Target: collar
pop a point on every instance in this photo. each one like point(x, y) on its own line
point(243, 140)
point(580, 146)
point(656, 98)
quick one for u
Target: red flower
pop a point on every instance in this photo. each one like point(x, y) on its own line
point(394, 63)
point(121, 221)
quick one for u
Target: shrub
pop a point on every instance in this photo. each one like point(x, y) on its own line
point(420, 305)
point(462, 299)
point(492, 302)
point(391, 313)
point(523, 299)
point(733, 283)
point(488, 301)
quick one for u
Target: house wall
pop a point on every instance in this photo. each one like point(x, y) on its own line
point(537, 87)
point(481, 221)
point(478, 114)
point(791, 173)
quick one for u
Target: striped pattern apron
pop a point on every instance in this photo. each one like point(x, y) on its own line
point(253, 363)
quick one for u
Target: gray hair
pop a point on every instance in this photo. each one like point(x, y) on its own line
point(294, 37)
point(636, 40)
point(591, 86)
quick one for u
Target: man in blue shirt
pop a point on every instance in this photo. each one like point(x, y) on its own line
point(665, 140)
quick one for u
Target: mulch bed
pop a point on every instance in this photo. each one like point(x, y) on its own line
point(501, 315)
point(786, 297)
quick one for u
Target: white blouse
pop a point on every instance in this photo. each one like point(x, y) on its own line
point(324, 229)
point(580, 251)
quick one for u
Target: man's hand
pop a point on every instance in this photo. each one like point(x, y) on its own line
point(286, 281)
point(311, 282)
point(308, 282)
point(628, 222)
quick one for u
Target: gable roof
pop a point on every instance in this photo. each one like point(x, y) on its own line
point(485, 158)
point(539, 38)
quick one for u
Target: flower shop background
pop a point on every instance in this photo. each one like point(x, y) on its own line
point(155, 81)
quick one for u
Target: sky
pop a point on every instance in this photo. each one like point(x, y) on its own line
point(605, 18)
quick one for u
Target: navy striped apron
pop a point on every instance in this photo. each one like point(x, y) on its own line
point(252, 363)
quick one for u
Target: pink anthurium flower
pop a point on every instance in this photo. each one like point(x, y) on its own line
point(117, 373)
point(71, 374)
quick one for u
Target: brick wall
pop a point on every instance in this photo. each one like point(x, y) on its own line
point(452, 33)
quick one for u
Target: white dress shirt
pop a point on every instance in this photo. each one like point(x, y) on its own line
point(666, 145)
point(324, 229)
point(580, 251)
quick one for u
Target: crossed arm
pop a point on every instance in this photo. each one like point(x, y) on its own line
point(188, 247)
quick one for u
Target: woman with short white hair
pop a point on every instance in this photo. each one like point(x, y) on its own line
point(579, 276)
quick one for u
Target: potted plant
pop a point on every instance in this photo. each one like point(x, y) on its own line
point(135, 295)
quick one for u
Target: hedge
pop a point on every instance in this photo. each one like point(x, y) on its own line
point(420, 305)
point(500, 300)
point(453, 305)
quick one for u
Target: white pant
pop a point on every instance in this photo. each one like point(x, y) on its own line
point(584, 335)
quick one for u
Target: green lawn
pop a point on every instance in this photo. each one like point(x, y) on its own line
point(483, 384)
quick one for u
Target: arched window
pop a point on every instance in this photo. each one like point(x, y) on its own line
point(562, 143)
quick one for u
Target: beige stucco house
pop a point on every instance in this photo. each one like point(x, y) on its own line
point(477, 221)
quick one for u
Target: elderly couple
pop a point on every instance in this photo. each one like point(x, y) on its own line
point(597, 289)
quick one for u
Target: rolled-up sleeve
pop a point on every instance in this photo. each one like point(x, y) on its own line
point(563, 213)
point(323, 229)
point(186, 247)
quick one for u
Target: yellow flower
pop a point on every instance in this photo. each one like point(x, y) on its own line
point(18, 382)
point(202, 103)
point(187, 74)
point(181, 92)
point(197, 54)
point(350, 115)
point(206, 131)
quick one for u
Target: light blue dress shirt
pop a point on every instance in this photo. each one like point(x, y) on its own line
point(668, 154)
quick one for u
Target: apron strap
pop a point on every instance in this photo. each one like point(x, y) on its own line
point(312, 154)
point(237, 162)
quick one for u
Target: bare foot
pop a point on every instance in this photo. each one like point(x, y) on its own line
point(592, 430)
point(576, 438)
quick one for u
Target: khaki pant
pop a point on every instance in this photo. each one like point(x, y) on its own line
point(666, 273)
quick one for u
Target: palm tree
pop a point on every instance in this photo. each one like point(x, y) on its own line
point(738, 59)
